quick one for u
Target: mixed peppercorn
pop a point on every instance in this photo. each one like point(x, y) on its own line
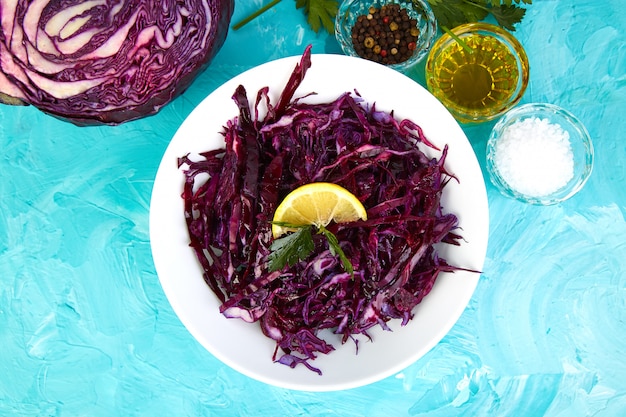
point(387, 35)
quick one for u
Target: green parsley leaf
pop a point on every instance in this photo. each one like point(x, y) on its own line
point(335, 249)
point(507, 2)
point(452, 13)
point(291, 248)
point(297, 246)
point(320, 13)
point(508, 16)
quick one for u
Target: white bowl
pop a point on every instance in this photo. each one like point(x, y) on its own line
point(242, 345)
point(581, 152)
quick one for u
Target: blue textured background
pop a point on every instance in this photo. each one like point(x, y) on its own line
point(85, 329)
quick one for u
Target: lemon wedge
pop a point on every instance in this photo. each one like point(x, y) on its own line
point(318, 204)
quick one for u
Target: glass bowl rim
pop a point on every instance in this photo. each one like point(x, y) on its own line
point(544, 110)
point(503, 36)
point(430, 22)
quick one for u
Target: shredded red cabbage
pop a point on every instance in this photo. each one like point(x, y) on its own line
point(346, 142)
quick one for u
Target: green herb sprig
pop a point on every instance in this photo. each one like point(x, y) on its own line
point(319, 13)
point(297, 246)
point(452, 13)
point(255, 14)
point(449, 13)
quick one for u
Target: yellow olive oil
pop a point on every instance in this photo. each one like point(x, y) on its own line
point(479, 81)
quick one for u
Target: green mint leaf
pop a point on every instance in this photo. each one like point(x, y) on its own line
point(320, 13)
point(291, 248)
point(335, 249)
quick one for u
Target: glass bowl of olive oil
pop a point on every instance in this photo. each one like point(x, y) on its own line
point(478, 71)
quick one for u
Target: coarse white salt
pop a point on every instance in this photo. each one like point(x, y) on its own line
point(534, 157)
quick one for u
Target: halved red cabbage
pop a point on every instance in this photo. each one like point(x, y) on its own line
point(106, 62)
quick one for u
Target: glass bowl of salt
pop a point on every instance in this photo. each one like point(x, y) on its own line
point(539, 154)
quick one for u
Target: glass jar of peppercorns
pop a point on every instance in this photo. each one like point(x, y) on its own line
point(396, 33)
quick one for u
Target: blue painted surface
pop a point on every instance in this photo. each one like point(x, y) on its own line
point(85, 329)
